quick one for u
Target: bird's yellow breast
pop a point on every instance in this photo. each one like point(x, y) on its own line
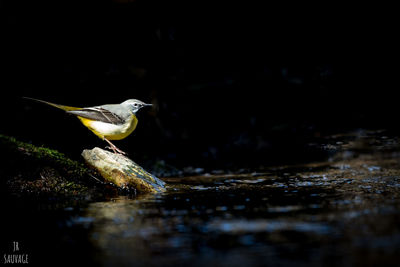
point(110, 131)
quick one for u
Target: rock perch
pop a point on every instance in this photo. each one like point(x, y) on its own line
point(122, 171)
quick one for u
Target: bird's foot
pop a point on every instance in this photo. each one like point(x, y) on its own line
point(114, 148)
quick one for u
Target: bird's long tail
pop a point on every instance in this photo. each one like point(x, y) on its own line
point(66, 108)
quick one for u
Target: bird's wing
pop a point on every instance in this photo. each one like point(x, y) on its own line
point(98, 114)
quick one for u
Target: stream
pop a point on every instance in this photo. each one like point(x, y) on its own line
point(342, 211)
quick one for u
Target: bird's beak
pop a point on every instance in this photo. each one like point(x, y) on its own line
point(147, 105)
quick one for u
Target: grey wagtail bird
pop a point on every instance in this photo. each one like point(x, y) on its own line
point(109, 122)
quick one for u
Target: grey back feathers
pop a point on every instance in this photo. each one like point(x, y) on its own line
point(98, 114)
point(111, 113)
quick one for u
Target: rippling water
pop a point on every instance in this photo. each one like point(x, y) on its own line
point(344, 211)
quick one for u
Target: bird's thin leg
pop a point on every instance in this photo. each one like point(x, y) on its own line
point(114, 148)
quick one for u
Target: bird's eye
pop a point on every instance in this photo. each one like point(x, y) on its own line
point(135, 104)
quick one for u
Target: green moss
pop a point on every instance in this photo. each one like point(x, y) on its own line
point(47, 154)
point(39, 171)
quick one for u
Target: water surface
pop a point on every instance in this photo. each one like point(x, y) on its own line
point(341, 211)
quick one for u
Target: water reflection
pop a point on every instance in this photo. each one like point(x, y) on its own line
point(345, 211)
point(293, 219)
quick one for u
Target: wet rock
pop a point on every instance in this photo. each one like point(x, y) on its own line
point(122, 171)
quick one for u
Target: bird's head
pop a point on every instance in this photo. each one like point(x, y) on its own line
point(134, 105)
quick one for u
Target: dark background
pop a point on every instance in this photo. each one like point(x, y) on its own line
point(235, 89)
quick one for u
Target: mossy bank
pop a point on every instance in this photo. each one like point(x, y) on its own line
point(41, 173)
